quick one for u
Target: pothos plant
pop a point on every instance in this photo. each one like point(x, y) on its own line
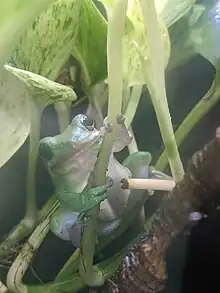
point(114, 59)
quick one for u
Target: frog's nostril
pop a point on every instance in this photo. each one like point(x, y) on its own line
point(45, 151)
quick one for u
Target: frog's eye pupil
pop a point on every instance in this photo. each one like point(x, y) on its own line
point(45, 151)
point(89, 123)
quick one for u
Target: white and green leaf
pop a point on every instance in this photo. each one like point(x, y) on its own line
point(43, 90)
point(14, 115)
point(15, 16)
point(66, 28)
point(169, 11)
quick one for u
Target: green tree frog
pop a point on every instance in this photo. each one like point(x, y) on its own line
point(71, 157)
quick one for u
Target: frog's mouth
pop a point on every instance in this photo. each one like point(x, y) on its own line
point(55, 157)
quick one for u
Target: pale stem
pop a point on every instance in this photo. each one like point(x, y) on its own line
point(63, 110)
point(116, 23)
point(158, 90)
point(194, 116)
point(30, 218)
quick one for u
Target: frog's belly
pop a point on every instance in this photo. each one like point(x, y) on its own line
point(117, 199)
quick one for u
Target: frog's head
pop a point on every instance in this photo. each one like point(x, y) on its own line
point(80, 135)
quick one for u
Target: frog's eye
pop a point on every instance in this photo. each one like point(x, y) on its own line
point(88, 123)
point(45, 151)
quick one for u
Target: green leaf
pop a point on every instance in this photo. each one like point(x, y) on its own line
point(15, 16)
point(169, 12)
point(66, 28)
point(197, 32)
point(132, 72)
point(173, 10)
point(43, 90)
point(205, 32)
point(14, 115)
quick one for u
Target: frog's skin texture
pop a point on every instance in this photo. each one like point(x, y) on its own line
point(62, 221)
point(71, 157)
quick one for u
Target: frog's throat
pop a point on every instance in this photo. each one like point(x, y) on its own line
point(73, 171)
point(79, 151)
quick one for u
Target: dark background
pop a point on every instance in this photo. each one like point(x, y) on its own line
point(193, 261)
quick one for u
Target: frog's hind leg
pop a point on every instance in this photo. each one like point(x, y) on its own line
point(138, 163)
point(61, 221)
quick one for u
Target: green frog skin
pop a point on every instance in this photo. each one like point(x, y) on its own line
point(71, 157)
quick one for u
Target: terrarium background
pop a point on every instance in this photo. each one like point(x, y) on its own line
point(185, 86)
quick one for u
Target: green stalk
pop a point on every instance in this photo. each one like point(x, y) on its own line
point(24, 258)
point(70, 267)
point(3, 288)
point(63, 110)
point(75, 283)
point(116, 24)
point(30, 218)
point(132, 147)
point(27, 225)
point(19, 232)
point(158, 89)
point(195, 115)
point(133, 104)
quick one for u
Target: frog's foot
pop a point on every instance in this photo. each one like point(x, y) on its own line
point(120, 118)
point(138, 163)
point(75, 233)
point(107, 125)
point(155, 174)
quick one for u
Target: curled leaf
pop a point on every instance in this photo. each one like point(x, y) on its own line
point(172, 10)
point(14, 115)
point(15, 16)
point(43, 90)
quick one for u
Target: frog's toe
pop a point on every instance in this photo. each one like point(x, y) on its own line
point(107, 125)
point(120, 118)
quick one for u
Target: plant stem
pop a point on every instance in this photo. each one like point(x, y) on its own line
point(75, 283)
point(22, 262)
point(132, 105)
point(29, 222)
point(3, 288)
point(63, 110)
point(116, 23)
point(195, 115)
point(132, 147)
point(158, 89)
point(18, 233)
point(30, 218)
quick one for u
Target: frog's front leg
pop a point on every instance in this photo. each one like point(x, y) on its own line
point(123, 136)
point(84, 201)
